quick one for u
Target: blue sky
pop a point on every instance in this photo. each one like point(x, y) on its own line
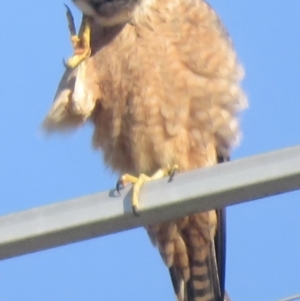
point(263, 236)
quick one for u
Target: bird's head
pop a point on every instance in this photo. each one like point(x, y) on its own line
point(108, 12)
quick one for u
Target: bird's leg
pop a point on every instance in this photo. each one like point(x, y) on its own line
point(140, 180)
point(80, 41)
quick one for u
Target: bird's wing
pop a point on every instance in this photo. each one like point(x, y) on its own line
point(74, 99)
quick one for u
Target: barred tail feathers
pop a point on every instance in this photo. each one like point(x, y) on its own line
point(187, 247)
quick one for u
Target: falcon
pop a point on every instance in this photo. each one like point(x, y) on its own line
point(160, 82)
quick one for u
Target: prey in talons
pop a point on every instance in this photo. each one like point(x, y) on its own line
point(140, 180)
point(80, 41)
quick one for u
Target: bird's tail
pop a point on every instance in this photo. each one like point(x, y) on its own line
point(188, 248)
point(203, 283)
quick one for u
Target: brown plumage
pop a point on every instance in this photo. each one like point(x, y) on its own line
point(161, 87)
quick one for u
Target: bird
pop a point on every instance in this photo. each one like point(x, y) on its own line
point(160, 82)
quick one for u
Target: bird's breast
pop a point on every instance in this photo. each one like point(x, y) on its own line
point(168, 94)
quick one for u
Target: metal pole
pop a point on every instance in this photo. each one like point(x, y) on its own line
point(107, 212)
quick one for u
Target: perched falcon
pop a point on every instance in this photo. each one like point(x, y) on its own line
point(159, 80)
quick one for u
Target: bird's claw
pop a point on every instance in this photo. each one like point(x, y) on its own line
point(135, 210)
point(122, 182)
point(80, 41)
point(119, 185)
point(71, 23)
point(172, 172)
point(140, 180)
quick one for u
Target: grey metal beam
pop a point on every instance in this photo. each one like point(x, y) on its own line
point(107, 212)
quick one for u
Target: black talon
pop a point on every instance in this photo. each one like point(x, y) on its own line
point(71, 23)
point(172, 174)
point(119, 185)
point(65, 63)
point(135, 211)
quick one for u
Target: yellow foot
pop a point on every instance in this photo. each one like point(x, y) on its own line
point(80, 42)
point(140, 180)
